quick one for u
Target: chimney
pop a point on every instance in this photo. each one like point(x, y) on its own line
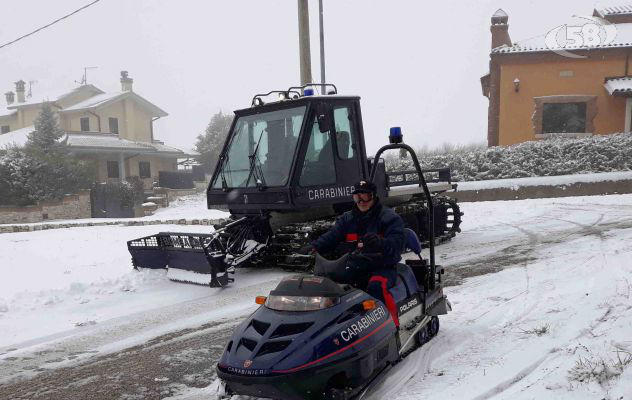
point(19, 89)
point(10, 97)
point(500, 29)
point(126, 82)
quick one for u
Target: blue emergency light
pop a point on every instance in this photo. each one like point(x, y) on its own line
point(308, 92)
point(395, 135)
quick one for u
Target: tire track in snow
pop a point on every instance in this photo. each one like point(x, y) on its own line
point(157, 369)
point(29, 359)
point(416, 364)
point(501, 387)
point(521, 254)
point(536, 242)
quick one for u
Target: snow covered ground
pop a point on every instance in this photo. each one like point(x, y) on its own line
point(543, 309)
point(557, 325)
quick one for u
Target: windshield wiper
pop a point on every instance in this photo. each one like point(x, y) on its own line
point(255, 170)
point(260, 179)
point(223, 174)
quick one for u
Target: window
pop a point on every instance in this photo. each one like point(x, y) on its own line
point(344, 135)
point(565, 115)
point(144, 169)
point(5, 129)
point(318, 167)
point(85, 124)
point(261, 149)
point(113, 125)
point(564, 118)
point(113, 169)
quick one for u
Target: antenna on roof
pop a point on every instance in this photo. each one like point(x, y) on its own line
point(84, 79)
point(30, 93)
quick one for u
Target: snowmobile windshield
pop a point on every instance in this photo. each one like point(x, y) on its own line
point(261, 149)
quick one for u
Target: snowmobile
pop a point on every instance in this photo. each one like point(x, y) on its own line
point(287, 168)
point(315, 337)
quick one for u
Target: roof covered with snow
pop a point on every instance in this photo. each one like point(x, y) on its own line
point(99, 99)
point(104, 99)
point(108, 141)
point(4, 112)
point(538, 44)
point(94, 102)
point(39, 98)
point(619, 86)
point(604, 11)
point(17, 137)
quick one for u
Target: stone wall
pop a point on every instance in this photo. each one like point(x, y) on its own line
point(72, 206)
point(101, 222)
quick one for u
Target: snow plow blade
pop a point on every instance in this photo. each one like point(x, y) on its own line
point(187, 257)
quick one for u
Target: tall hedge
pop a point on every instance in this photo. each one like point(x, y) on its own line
point(556, 156)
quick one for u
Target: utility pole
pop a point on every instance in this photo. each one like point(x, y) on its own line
point(322, 47)
point(303, 41)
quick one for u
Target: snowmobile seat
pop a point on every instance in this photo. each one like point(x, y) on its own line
point(408, 279)
point(405, 283)
point(399, 290)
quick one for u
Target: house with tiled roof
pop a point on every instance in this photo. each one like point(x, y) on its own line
point(571, 81)
point(113, 131)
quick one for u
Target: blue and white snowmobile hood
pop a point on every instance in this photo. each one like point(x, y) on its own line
point(272, 342)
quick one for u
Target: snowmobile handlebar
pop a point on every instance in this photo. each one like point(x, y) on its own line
point(422, 184)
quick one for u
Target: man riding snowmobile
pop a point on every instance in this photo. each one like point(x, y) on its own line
point(377, 232)
point(320, 335)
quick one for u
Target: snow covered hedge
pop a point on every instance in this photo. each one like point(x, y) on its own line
point(556, 156)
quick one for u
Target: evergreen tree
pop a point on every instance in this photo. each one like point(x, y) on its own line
point(209, 144)
point(43, 169)
point(47, 132)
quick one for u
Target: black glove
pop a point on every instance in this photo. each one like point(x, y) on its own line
point(372, 243)
point(306, 250)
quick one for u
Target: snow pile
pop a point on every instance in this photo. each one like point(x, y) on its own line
point(192, 206)
point(556, 156)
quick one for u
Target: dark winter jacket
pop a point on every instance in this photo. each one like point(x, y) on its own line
point(352, 225)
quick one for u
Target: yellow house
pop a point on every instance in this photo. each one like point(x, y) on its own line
point(114, 131)
point(545, 86)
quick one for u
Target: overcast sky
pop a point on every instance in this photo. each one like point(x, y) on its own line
point(416, 64)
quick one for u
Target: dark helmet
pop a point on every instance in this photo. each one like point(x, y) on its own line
point(364, 187)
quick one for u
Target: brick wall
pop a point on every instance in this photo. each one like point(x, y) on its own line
point(72, 206)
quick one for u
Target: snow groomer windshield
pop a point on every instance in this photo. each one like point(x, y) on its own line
point(261, 149)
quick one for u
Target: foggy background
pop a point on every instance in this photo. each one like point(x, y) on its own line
point(416, 64)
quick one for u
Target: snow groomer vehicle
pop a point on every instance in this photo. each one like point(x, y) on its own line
point(315, 336)
point(287, 168)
